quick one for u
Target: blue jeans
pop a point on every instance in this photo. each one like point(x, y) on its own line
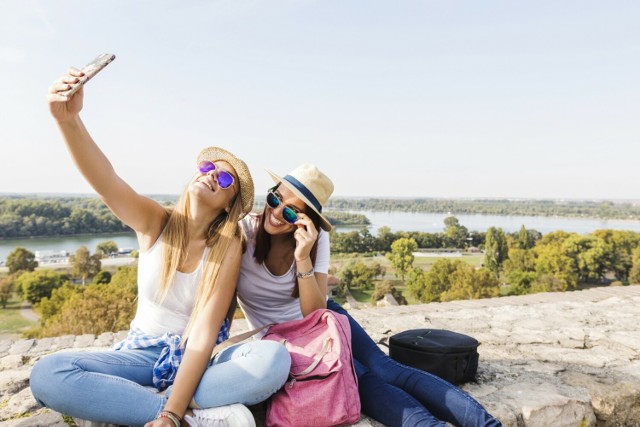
point(111, 386)
point(399, 395)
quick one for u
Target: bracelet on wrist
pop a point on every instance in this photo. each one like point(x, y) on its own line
point(305, 275)
point(175, 419)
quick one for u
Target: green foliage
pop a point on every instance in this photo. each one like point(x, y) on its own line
point(125, 277)
point(491, 207)
point(634, 274)
point(357, 275)
point(6, 290)
point(91, 309)
point(103, 277)
point(386, 287)
point(455, 234)
point(107, 248)
point(525, 239)
point(56, 216)
point(84, 265)
point(346, 218)
point(360, 241)
point(21, 259)
point(36, 285)
point(555, 270)
point(449, 280)
point(520, 270)
point(467, 282)
point(496, 250)
point(401, 256)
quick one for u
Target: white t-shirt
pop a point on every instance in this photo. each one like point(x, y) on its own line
point(173, 314)
point(264, 297)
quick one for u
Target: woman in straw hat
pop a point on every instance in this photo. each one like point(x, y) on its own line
point(284, 277)
point(188, 268)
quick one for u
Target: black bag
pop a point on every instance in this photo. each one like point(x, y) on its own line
point(449, 355)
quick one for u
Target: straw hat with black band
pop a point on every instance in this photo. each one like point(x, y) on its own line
point(214, 154)
point(311, 186)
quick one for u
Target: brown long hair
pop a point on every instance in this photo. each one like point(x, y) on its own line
point(263, 240)
point(221, 232)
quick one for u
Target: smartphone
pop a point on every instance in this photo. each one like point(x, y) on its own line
point(90, 70)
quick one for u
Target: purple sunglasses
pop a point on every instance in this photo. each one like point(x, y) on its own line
point(224, 178)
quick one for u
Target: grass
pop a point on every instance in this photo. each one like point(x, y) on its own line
point(11, 321)
point(361, 295)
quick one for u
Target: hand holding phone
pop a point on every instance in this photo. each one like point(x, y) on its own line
point(90, 70)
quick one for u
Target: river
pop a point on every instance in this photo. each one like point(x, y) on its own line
point(397, 221)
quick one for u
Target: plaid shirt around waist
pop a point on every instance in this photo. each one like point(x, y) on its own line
point(166, 367)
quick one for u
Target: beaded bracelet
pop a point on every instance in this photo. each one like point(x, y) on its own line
point(171, 416)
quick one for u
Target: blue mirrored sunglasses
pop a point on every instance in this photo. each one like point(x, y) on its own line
point(288, 213)
point(224, 178)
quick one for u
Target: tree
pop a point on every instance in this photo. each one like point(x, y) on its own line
point(496, 250)
point(103, 277)
point(634, 274)
point(357, 275)
point(455, 234)
point(401, 255)
point(6, 290)
point(85, 265)
point(387, 287)
point(20, 259)
point(428, 286)
point(107, 248)
point(556, 271)
point(520, 270)
point(385, 239)
point(525, 240)
point(125, 277)
point(35, 285)
point(468, 283)
point(91, 309)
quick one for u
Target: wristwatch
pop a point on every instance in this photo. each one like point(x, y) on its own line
point(304, 275)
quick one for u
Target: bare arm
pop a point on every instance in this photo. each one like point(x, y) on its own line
point(313, 289)
point(203, 336)
point(142, 214)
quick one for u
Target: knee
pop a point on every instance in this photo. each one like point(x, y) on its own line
point(278, 360)
point(43, 379)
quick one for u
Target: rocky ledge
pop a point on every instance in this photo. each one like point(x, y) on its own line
point(554, 359)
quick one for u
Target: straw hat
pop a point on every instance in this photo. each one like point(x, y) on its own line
point(214, 154)
point(309, 185)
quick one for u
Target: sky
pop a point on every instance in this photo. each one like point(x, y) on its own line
point(529, 99)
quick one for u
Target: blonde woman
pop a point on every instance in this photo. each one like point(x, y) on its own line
point(188, 267)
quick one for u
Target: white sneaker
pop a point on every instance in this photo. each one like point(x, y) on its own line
point(236, 415)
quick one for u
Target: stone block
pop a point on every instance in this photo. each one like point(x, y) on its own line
point(13, 361)
point(21, 346)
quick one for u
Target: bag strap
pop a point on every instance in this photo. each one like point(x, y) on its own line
point(326, 348)
point(236, 339)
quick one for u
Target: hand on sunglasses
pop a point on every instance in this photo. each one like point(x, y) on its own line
point(306, 236)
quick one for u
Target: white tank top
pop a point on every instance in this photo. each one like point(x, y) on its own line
point(173, 314)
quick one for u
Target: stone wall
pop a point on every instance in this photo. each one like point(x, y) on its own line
point(555, 359)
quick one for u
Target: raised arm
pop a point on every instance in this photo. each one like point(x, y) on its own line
point(312, 286)
point(142, 214)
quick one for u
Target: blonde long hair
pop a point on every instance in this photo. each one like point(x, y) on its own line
point(221, 232)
